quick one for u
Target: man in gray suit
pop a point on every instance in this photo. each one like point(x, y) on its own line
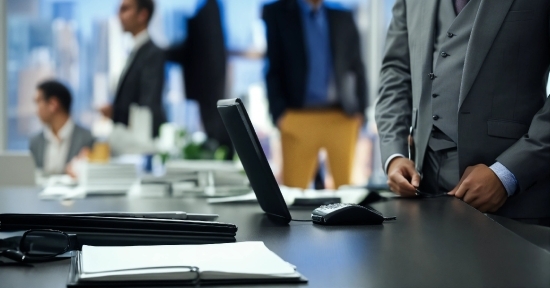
point(467, 80)
point(142, 79)
point(62, 139)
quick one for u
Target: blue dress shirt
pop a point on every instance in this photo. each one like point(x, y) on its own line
point(506, 177)
point(318, 50)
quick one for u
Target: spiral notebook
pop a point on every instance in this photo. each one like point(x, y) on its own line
point(231, 263)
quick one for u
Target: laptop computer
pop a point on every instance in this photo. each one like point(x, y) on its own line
point(262, 180)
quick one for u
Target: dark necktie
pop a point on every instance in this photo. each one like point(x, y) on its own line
point(459, 5)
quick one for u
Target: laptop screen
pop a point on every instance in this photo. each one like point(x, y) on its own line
point(255, 163)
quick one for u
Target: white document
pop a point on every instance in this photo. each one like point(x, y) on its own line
point(62, 193)
point(243, 260)
point(348, 195)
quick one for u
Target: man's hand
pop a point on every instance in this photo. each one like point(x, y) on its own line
point(481, 188)
point(402, 177)
point(73, 167)
point(107, 111)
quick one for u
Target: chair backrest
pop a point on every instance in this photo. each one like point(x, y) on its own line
point(17, 169)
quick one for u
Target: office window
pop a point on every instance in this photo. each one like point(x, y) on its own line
point(81, 43)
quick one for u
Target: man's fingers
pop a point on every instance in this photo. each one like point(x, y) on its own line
point(453, 192)
point(461, 190)
point(402, 176)
point(467, 172)
point(415, 179)
point(404, 186)
point(473, 199)
point(400, 185)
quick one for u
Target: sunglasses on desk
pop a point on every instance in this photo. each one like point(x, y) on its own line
point(37, 246)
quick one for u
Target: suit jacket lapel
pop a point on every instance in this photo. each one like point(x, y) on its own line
point(488, 21)
point(133, 59)
point(292, 26)
point(333, 30)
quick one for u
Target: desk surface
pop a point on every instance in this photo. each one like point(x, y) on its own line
point(439, 242)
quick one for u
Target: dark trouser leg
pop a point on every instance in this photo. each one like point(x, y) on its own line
point(440, 171)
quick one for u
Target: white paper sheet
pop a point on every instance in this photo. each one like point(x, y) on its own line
point(215, 261)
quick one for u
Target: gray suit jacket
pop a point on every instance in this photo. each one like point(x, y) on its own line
point(503, 114)
point(81, 138)
point(142, 84)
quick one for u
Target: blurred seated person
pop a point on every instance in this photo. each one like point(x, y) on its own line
point(142, 80)
point(61, 140)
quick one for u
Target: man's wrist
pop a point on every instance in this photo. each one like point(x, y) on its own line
point(388, 162)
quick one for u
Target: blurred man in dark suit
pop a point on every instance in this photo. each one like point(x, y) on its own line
point(142, 79)
point(316, 86)
point(203, 57)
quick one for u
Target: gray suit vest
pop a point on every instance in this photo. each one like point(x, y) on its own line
point(452, 35)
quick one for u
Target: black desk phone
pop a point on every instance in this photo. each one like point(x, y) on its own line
point(347, 214)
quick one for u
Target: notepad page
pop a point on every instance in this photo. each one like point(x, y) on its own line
point(215, 261)
point(141, 275)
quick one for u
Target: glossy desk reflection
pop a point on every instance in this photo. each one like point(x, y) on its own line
point(438, 242)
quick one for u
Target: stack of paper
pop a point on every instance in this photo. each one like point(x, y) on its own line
point(211, 178)
point(107, 178)
point(148, 190)
point(136, 138)
point(244, 260)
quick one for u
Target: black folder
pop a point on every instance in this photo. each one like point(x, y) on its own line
point(116, 229)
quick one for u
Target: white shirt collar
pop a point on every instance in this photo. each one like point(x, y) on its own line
point(64, 133)
point(140, 39)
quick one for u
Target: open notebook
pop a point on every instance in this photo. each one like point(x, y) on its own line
point(243, 262)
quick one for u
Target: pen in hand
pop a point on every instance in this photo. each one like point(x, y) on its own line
point(421, 194)
point(410, 142)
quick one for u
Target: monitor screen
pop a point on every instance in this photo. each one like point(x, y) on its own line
point(252, 156)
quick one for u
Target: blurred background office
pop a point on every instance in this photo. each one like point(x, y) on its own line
point(82, 44)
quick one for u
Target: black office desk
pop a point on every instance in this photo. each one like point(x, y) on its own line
point(439, 242)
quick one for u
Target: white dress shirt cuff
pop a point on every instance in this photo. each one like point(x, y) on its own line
point(393, 156)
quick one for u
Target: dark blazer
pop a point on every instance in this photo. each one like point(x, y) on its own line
point(142, 84)
point(81, 138)
point(503, 111)
point(203, 57)
point(286, 52)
